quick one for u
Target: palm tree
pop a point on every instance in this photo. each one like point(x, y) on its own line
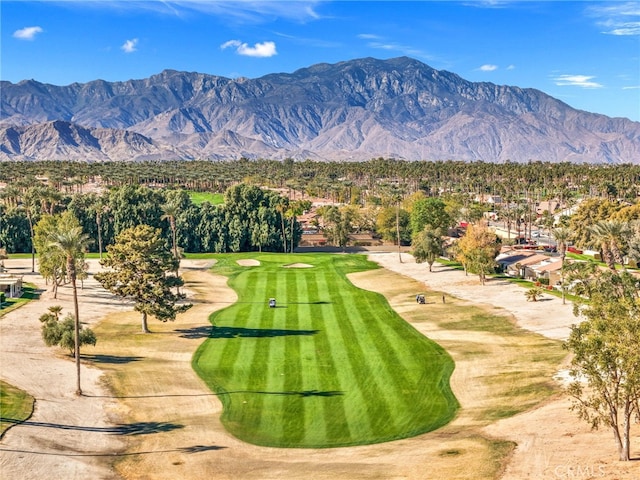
point(609, 235)
point(281, 208)
point(533, 294)
point(100, 208)
point(29, 203)
point(72, 243)
point(395, 194)
point(562, 236)
point(296, 208)
point(170, 211)
point(55, 311)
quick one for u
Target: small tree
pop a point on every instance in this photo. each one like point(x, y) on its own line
point(62, 333)
point(477, 250)
point(606, 358)
point(139, 261)
point(533, 294)
point(427, 245)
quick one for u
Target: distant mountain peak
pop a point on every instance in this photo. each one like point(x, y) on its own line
point(357, 109)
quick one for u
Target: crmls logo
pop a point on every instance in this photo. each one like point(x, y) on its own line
point(574, 472)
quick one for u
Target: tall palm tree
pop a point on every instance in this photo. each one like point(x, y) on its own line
point(395, 194)
point(170, 211)
point(562, 236)
point(296, 208)
point(29, 205)
point(281, 208)
point(99, 208)
point(72, 243)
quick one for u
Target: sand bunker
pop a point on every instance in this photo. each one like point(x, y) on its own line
point(249, 262)
point(298, 265)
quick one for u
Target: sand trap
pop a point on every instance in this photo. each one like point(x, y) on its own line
point(298, 265)
point(249, 262)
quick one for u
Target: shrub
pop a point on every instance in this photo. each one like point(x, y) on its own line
point(533, 294)
point(61, 332)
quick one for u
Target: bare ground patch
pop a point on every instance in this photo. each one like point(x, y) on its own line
point(248, 262)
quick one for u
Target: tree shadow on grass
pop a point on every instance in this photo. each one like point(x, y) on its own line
point(191, 450)
point(302, 393)
point(138, 428)
point(239, 332)
point(112, 359)
point(194, 333)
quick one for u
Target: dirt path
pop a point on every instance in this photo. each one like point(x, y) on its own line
point(67, 436)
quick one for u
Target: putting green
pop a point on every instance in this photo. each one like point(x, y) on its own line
point(331, 365)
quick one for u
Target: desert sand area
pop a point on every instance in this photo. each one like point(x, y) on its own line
point(169, 427)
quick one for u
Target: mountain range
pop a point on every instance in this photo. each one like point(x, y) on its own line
point(353, 110)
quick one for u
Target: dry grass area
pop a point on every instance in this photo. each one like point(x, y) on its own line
point(146, 414)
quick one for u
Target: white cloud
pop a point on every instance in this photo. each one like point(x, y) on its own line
point(369, 36)
point(27, 33)
point(488, 67)
point(130, 45)
point(381, 43)
point(511, 67)
point(617, 18)
point(584, 81)
point(263, 50)
point(488, 3)
point(240, 11)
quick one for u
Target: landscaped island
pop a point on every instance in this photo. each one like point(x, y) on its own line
point(331, 365)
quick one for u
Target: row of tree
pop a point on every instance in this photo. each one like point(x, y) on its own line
point(250, 218)
point(346, 182)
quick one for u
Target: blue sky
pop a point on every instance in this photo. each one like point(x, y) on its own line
point(584, 53)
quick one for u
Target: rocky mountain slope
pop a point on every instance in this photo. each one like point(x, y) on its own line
point(357, 110)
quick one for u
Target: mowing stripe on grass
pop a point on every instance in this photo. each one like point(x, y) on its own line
point(388, 367)
point(380, 416)
point(332, 365)
point(314, 421)
point(294, 411)
point(336, 424)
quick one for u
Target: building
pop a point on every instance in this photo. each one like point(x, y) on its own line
point(11, 285)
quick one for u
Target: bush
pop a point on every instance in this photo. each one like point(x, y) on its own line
point(533, 294)
point(61, 332)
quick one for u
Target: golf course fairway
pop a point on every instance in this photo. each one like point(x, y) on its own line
point(332, 365)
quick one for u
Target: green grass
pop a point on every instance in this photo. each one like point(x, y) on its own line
point(332, 365)
point(29, 292)
point(15, 406)
point(200, 197)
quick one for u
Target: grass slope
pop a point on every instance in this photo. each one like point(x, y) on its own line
point(332, 365)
